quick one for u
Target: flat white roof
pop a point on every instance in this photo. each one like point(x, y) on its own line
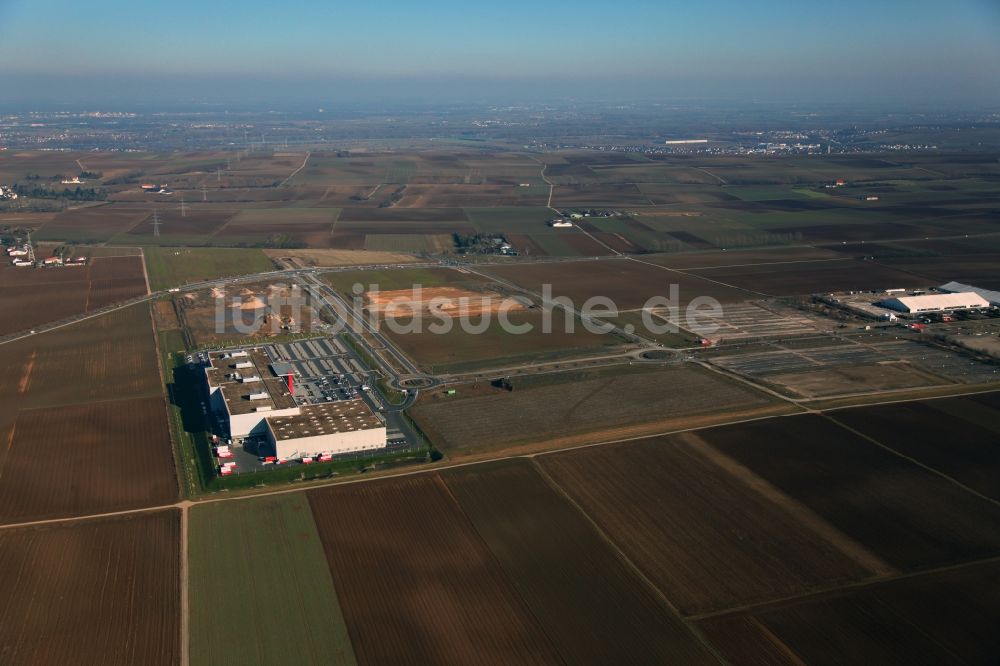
point(992, 296)
point(934, 302)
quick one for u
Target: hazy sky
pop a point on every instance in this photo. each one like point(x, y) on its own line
point(882, 50)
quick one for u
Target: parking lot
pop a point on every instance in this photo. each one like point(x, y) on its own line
point(323, 370)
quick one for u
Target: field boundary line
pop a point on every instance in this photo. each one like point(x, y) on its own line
point(722, 181)
point(801, 513)
point(819, 593)
point(769, 263)
point(145, 273)
point(431, 470)
point(700, 277)
point(625, 559)
point(180, 475)
point(294, 173)
point(496, 560)
point(93, 516)
point(916, 462)
point(185, 619)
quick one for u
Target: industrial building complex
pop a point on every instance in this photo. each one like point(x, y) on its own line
point(256, 399)
point(923, 303)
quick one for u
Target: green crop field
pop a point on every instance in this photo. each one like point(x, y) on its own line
point(261, 591)
point(171, 267)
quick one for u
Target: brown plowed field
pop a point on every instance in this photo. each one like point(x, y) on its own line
point(90, 458)
point(708, 535)
point(35, 296)
point(720, 259)
point(403, 215)
point(93, 224)
point(195, 222)
point(585, 245)
point(102, 591)
point(822, 276)
point(908, 516)
point(595, 609)
point(940, 618)
point(82, 420)
point(108, 357)
point(416, 583)
point(629, 284)
point(445, 196)
point(948, 435)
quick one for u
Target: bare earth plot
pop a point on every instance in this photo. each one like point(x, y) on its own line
point(35, 296)
point(101, 591)
point(908, 516)
point(706, 532)
point(957, 436)
point(83, 425)
point(629, 284)
point(593, 607)
point(822, 276)
point(490, 345)
point(947, 617)
point(87, 458)
point(416, 582)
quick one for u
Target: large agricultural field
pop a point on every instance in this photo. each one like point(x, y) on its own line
point(432, 592)
point(907, 515)
point(99, 591)
point(674, 509)
point(87, 458)
point(84, 423)
point(568, 410)
point(629, 284)
point(487, 344)
point(175, 266)
point(911, 620)
point(547, 548)
point(261, 589)
point(42, 295)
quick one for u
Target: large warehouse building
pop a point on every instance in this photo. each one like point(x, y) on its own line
point(337, 427)
point(955, 287)
point(927, 303)
point(255, 397)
